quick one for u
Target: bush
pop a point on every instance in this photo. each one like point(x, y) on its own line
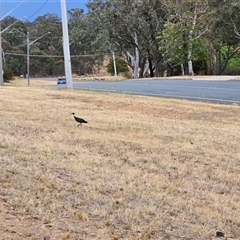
point(232, 70)
point(233, 67)
point(121, 67)
point(8, 75)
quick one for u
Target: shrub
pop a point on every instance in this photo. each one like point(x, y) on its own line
point(121, 67)
point(8, 75)
point(233, 67)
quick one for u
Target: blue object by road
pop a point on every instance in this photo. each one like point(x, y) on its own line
point(61, 81)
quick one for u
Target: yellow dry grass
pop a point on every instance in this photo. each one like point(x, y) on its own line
point(23, 82)
point(142, 168)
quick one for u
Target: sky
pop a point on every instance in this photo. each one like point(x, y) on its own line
point(31, 9)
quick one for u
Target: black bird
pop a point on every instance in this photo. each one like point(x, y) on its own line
point(219, 234)
point(79, 120)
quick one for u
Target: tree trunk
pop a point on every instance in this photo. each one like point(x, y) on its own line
point(169, 70)
point(213, 62)
point(142, 67)
point(136, 65)
point(182, 69)
point(146, 68)
point(190, 46)
point(190, 68)
point(151, 68)
point(156, 68)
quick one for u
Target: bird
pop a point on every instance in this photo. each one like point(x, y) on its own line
point(219, 234)
point(79, 120)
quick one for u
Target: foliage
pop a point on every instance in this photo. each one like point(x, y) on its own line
point(121, 66)
point(224, 18)
point(233, 67)
point(149, 35)
point(180, 39)
point(132, 26)
point(14, 37)
point(172, 41)
point(8, 74)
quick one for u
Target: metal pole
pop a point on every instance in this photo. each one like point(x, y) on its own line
point(114, 65)
point(1, 64)
point(28, 78)
point(66, 49)
point(1, 55)
point(28, 53)
point(12, 10)
point(4, 30)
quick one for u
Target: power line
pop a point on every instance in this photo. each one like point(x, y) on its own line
point(38, 9)
point(54, 56)
point(5, 9)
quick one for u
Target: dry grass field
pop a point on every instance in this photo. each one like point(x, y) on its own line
point(142, 168)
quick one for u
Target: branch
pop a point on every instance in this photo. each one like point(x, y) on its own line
point(201, 34)
point(236, 30)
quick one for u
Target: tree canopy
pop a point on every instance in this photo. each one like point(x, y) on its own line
point(153, 37)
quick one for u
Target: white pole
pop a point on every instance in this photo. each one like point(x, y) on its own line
point(4, 30)
point(28, 46)
point(1, 66)
point(1, 60)
point(12, 10)
point(114, 65)
point(66, 49)
point(28, 52)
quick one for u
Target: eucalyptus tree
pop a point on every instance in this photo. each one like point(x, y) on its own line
point(225, 29)
point(47, 46)
point(13, 44)
point(132, 27)
point(13, 56)
point(88, 42)
point(186, 24)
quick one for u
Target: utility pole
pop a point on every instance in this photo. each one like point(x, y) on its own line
point(28, 52)
point(28, 46)
point(66, 48)
point(114, 65)
point(1, 63)
point(1, 53)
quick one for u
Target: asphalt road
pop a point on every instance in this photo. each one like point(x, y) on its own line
point(201, 90)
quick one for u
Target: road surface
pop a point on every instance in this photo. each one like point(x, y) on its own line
point(222, 91)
